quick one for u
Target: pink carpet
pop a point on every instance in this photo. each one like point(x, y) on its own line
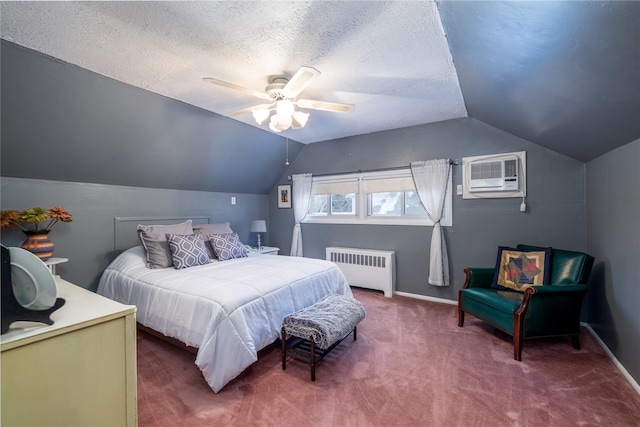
point(411, 366)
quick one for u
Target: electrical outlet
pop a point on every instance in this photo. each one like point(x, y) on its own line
point(233, 200)
point(459, 189)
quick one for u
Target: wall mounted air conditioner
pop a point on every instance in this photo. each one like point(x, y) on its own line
point(494, 176)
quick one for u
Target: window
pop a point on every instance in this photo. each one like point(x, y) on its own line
point(395, 204)
point(388, 198)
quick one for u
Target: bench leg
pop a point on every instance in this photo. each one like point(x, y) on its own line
point(312, 358)
point(283, 337)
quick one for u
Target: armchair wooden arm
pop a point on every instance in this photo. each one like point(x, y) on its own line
point(478, 277)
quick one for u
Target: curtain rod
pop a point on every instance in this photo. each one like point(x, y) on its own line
point(451, 162)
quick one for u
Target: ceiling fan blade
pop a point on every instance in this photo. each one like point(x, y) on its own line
point(299, 82)
point(249, 109)
point(325, 106)
point(261, 95)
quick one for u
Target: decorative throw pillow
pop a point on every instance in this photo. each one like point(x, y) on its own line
point(516, 270)
point(187, 250)
point(206, 229)
point(154, 241)
point(227, 246)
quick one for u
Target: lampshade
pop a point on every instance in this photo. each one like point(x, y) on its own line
point(279, 122)
point(261, 114)
point(299, 119)
point(259, 226)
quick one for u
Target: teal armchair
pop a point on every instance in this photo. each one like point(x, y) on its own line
point(541, 311)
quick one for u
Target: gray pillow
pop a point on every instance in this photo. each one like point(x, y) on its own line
point(227, 246)
point(187, 250)
point(206, 229)
point(154, 241)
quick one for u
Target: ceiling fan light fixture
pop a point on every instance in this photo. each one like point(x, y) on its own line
point(273, 128)
point(260, 114)
point(299, 119)
point(282, 94)
point(278, 122)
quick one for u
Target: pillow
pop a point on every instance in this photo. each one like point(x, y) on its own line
point(227, 246)
point(223, 228)
point(516, 270)
point(154, 241)
point(187, 250)
point(206, 229)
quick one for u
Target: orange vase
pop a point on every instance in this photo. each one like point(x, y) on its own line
point(38, 243)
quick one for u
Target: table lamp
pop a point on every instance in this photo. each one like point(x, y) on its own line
point(259, 226)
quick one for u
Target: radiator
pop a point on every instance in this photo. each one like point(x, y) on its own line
point(366, 268)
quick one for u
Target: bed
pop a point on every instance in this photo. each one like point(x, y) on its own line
point(228, 310)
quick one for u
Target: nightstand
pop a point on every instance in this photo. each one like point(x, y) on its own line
point(267, 250)
point(52, 262)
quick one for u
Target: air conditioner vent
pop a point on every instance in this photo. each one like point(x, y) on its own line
point(499, 175)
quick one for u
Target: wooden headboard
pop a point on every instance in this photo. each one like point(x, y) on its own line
point(125, 228)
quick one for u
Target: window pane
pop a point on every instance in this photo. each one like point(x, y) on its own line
point(318, 204)
point(386, 204)
point(412, 205)
point(343, 204)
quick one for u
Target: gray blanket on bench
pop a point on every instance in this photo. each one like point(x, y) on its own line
point(326, 321)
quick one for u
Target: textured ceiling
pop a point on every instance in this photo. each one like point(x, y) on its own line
point(390, 59)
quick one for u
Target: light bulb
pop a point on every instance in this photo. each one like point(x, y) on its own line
point(285, 107)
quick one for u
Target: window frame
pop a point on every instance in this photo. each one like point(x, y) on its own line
point(362, 202)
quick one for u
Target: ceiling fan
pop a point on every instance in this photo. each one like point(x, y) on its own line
point(282, 95)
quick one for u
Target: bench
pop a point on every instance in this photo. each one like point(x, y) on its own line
point(319, 328)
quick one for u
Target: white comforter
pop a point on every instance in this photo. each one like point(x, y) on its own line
point(229, 310)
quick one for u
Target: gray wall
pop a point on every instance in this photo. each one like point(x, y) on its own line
point(72, 124)
point(555, 196)
point(565, 74)
point(613, 237)
point(88, 241)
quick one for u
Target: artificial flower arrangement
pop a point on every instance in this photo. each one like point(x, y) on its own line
point(37, 217)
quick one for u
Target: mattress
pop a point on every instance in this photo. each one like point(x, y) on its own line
point(228, 310)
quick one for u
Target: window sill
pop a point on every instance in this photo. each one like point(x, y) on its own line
point(373, 221)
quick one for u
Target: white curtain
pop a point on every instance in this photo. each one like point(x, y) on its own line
point(301, 197)
point(431, 179)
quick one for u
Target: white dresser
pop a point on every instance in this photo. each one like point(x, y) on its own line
point(80, 371)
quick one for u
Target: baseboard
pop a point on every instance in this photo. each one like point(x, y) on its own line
point(615, 361)
point(426, 298)
point(617, 364)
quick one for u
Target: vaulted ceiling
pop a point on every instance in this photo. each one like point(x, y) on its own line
point(565, 74)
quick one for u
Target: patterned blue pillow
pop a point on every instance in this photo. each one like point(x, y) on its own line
point(227, 246)
point(187, 250)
